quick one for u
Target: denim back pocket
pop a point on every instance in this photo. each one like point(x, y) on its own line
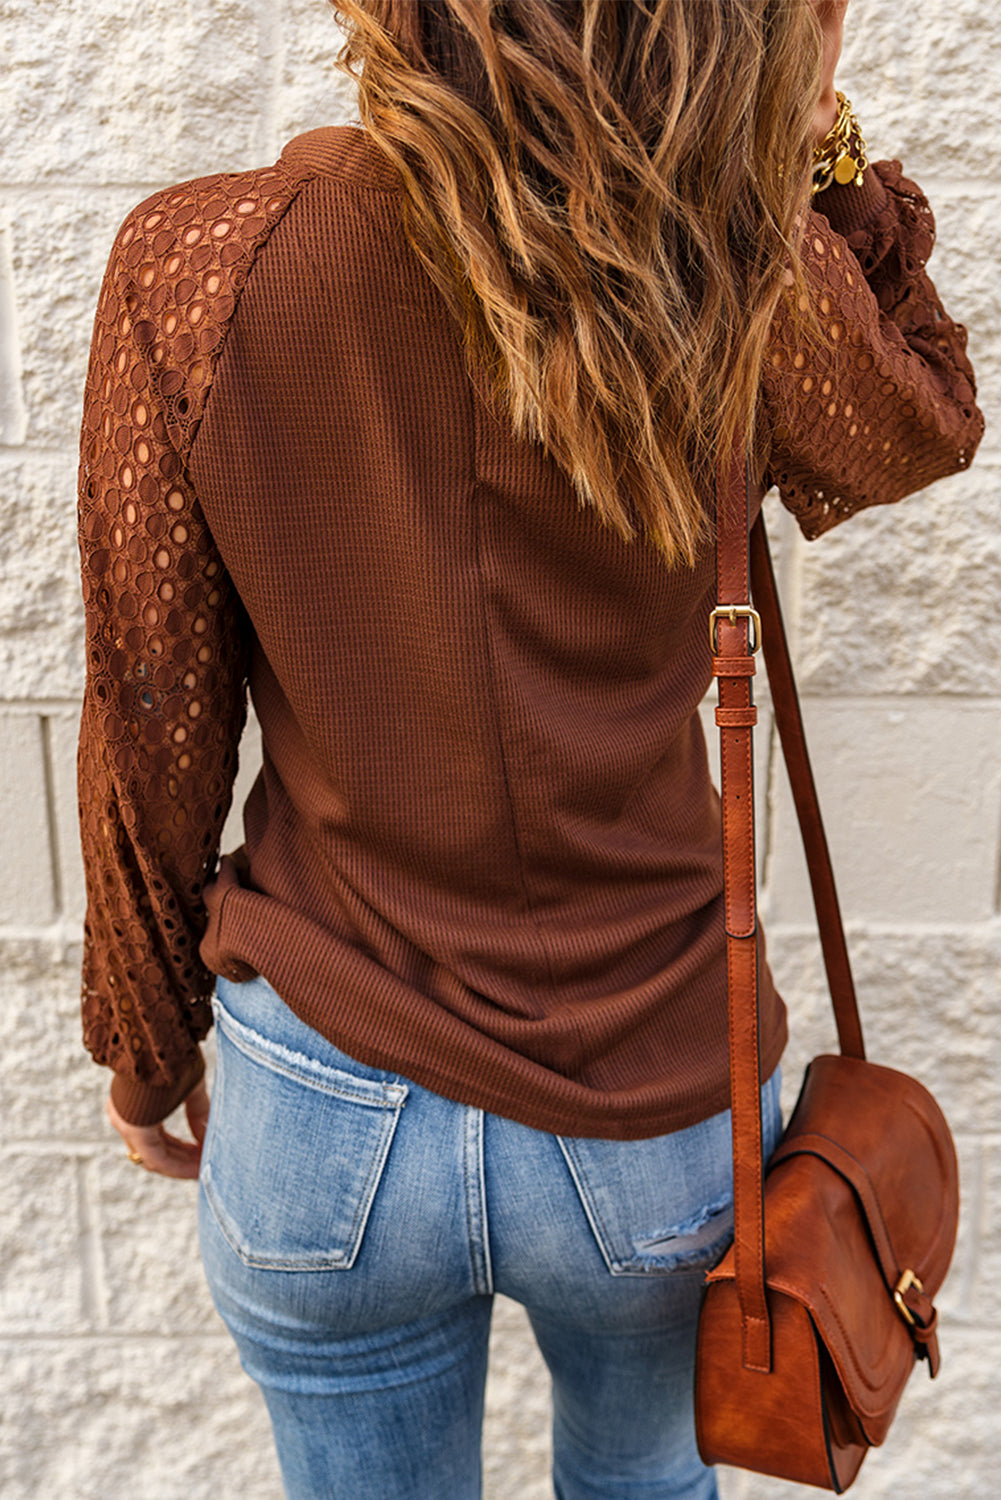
point(664, 1204)
point(294, 1152)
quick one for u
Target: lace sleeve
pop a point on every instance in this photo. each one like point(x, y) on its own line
point(166, 639)
point(867, 389)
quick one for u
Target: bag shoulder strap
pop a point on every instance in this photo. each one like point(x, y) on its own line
point(789, 722)
point(737, 629)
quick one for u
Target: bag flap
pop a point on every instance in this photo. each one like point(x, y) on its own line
point(840, 1256)
point(890, 1140)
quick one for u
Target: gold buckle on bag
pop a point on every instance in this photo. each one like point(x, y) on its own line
point(907, 1280)
point(733, 613)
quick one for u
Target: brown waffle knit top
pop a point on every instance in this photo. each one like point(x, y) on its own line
point(483, 850)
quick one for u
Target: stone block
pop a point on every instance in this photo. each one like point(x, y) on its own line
point(970, 292)
point(41, 613)
point(930, 1003)
point(148, 1418)
point(149, 1245)
point(960, 1301)
point(794, 958)
point(985, 354)
point(122, 93)
point(311, 91)
point(963, 219)
point(26, 890)
point(910, 789)
point(41, 1290)
point(986, 1287)
point(50, 1089)
point(899, 600)
point(912, 71)
point(60, 243)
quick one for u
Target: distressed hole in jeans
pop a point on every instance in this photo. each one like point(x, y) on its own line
point(694, 1242)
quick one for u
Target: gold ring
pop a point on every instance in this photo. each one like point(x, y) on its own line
point(134, 1156)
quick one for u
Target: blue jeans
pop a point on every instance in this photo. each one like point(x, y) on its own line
point(354, 1227)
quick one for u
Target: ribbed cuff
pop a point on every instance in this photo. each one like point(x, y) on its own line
point(847, 208)
point(148, 1103)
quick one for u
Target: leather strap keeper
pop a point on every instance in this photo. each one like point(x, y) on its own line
point(734, 666)
point(737, 718)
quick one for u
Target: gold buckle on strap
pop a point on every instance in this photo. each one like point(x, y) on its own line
point(733, 613)
point(907, 1280)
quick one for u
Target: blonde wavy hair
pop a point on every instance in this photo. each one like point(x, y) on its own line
point(608, 194)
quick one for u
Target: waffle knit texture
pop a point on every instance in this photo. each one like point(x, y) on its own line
point(484, 849)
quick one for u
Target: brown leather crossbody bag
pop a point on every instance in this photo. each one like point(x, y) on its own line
point(812, 1322)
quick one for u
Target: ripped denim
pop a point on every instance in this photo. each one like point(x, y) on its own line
point(355, 1226)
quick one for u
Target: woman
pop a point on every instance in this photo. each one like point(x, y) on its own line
point(416, 431)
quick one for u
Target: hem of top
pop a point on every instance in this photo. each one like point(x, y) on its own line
point(610, 1122)
point(472, 1069)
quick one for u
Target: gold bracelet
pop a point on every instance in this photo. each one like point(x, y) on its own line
point(841, 156)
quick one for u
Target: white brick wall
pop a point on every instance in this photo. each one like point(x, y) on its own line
point(118, 1380)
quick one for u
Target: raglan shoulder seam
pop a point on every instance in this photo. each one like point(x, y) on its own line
point(179, 265)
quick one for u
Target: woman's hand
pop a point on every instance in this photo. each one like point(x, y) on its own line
point(831, 15)
point(156, 1149)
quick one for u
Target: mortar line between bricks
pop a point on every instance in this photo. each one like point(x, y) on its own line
point(48, 779)
point(13, 412)
point(941, 187)
point(58, 185)
point(988, 926)
point(771, 808)
point(94, 1282)
point(271, 21)
point(63, 935)
point(80, 1150)
point(975, 1203)
point(810, 696)
point(49, 706)
point(39, 450)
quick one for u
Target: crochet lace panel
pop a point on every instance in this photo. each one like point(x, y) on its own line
point(166, 652)
point(867, 398)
